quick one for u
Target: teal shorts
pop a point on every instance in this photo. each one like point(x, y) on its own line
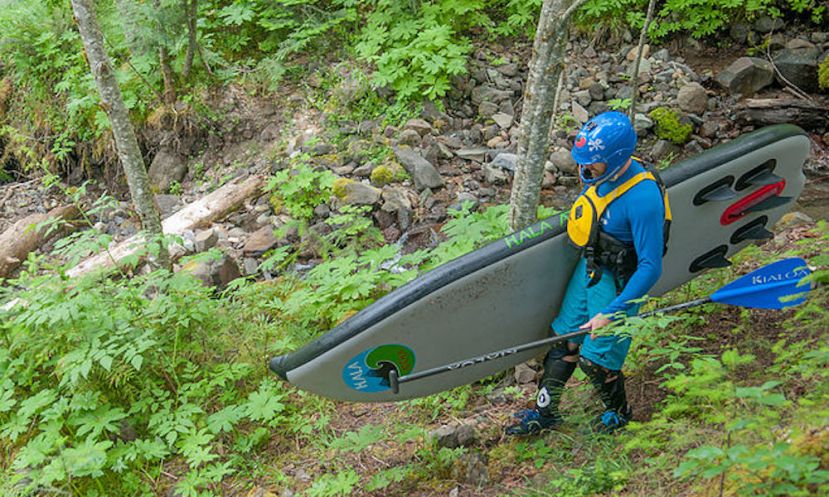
point(582, 303)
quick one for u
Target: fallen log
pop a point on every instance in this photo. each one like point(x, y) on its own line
point(21, 238)
point(766, 111)
point(200, 213)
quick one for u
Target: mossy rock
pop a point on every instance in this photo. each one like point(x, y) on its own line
point(669, 127)
point(340, 188)
point(387, 173)
point(823, 74)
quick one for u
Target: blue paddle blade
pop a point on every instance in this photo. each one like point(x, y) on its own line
point(775, 286)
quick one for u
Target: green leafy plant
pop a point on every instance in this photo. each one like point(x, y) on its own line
point(619, 103)
point(300, 188)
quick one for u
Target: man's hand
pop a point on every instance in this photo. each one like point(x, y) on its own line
point(595, 323)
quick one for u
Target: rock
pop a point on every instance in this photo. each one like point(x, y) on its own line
point(259, 242)
point(583, 97)
point(167, 204)
point(799, 68)
point(505, 160)
point(166, 167)
point(644, 69)
point(491, 132)
point(563, 161)
point(662, 55)
point(767, 24)
point(487, 109)
point(642, 124)
point(580, 113)
point(271, 132)
point(486, 93)
point(497, 142)
point(739, 32)
point(422, 171)
point(693, 98)
point(508, 70)
point(205, 240)
point(793, 220)
point(596, 91)
point(662, 149)
point(357, 193)
point(395, 199)
point(746, 76)
point(250, 265)
point(474, 154)
point(455, 435)
point(798, 43)
point(365, 170)
point(631, 55)
point(693, 147)
point(409, 137)
point(473, 469)
point(495, 175)
point(465, 198)
point(214, 273)
point(321, 148)
point(590, 52)
point(420, 125)
point(503, 120)
point(524, 374)
point(709, 129)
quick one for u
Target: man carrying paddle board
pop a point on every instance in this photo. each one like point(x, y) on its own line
point(621, 221)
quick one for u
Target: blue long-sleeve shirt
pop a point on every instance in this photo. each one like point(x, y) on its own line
point(638, 216)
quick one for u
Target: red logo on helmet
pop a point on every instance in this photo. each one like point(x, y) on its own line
point(581, 141)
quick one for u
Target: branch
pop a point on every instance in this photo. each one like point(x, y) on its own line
point(571, 10)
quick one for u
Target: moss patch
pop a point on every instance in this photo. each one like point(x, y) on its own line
point(668, 126)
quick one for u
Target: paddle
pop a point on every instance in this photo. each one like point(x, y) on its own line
point(774, 286)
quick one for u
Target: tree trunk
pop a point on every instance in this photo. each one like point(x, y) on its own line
point(635, 76)
point(113, 103)
point(18, 240)
point(546, 66)
point(191, 8)
point(167, 76)
point(198, 214)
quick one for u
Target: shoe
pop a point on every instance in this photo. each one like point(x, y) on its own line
point(611, 420)
point(532, 422)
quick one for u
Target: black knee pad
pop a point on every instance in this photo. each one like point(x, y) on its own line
point(556, 373)
point(596, 373)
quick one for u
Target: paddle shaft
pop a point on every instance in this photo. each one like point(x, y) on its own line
point(395, 380)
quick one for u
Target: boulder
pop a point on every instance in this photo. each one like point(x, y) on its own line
point(205, 240)
point(422, 171)
point(505, 160)
point(746, 76)
point(503, 120)
point(487, 109)
point(420, 125)
point(357, 193)
point(214, 273)
point(166, 167)
point(259, 242)
point(563, 161)
point(495, 175)
point(642, 124)
point(798, 67)
point(767, 24)
point(409, 137)
point(693, 98)
point(486, 93)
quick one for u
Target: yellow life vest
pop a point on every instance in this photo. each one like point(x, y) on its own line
point(583, 222)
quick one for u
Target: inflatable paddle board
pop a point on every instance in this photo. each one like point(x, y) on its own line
point(508, 292)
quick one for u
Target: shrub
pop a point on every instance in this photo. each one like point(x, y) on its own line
point(668, 126)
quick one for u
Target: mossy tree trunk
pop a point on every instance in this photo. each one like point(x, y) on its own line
point(113, 103)
point(546, 67)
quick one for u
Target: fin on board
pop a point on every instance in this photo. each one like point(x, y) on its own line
point(711, 260)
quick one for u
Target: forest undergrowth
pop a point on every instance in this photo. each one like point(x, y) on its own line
point(117, 385)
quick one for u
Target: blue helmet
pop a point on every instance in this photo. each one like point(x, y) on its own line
point(608, 138)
